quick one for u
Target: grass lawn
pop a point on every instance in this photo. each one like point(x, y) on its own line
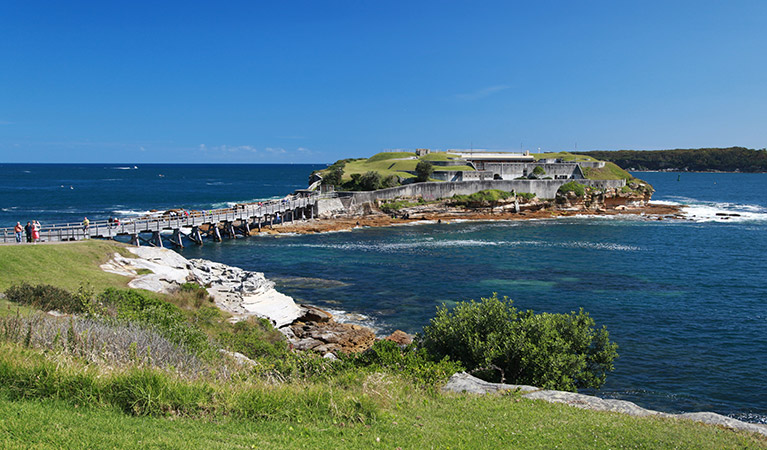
point(439, 156)
point(564, 155)
point(610, 171)
point(65, 265)
point(454, 422)
point(384, 167)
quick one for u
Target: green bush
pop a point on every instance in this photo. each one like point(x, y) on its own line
point(423, 170)
point(526, 195)
point(572, 186)
point(145, 309)
point(411, 361)
point(255, 338)
point(48, 298)
point(487, 197)
point(539, 171)
point(551, 351)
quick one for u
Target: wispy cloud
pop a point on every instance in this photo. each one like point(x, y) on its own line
point(5, 122)
point(482, 93)
point(245, 151)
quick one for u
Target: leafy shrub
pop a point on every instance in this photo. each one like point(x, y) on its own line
point(539, 171)
point(411, 361)
point(572, 186)
point(48, 298)
point(370, 181)
point(166, 318)
point(552, 351)
point(487, 197)
point(526, 195)
point(423, 170)
point(255, 338)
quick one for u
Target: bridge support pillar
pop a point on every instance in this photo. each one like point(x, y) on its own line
point(271, 221)
point(216, 233)
point(259, 223)
point(229, 227)
point(176, 238)
point(134, 240)
point(195, 236)
point(156, 239)
point(246, 228)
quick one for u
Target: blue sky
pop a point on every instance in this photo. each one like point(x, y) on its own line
point(316, 81)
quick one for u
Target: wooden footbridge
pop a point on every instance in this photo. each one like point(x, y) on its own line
point(177, 226)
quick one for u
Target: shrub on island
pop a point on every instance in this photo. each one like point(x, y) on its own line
point(572, 186)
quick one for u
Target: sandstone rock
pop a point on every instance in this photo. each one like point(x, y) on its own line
point(400, 338)
point(590, 402)
point(239, 358)
point(463, 382)
point(314, 314)
point(344, 337)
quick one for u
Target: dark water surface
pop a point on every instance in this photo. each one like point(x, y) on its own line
point(685, 300)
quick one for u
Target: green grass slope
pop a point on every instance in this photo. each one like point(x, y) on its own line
point(459, 422)
point(65, 265)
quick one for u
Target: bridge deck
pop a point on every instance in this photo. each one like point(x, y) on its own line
point(165, 221)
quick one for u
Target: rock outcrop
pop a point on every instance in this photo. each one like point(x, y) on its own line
point(243, 294)
point(463, 382)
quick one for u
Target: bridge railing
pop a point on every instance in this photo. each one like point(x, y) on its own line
point(162, 221)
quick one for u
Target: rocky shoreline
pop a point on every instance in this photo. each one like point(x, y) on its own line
point(610, 203)
point(243, 294)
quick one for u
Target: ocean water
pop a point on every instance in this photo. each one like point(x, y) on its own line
point(686, 300)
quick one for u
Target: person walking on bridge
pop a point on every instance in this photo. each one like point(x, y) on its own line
point(18, 229)
point(86, 224)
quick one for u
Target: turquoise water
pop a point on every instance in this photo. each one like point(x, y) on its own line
point(685, 300)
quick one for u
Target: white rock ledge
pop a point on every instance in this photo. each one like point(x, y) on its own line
point(240, 292)
point(463, 382)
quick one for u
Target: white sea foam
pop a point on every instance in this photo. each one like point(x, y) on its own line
point(665, 202)
point(131, 212)
point(241, 202)
point(395, 247)
point(121, 168)
point(342, 316)
point(707, 211)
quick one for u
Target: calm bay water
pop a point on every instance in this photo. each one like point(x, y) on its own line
point(685, 300)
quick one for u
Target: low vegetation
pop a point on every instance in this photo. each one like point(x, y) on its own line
point(133, 369)
point(390, 168)
point(610, 171)
point(564, 156)
point(573, 186)
point(486, 198)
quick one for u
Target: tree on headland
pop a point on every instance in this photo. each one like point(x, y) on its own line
point(423, 170)
point(333, 176)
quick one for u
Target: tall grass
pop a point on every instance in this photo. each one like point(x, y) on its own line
point(26, 374)
point(95, 341)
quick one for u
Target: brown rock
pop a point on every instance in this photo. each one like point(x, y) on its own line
point(400, 338)
point(314, 314)
point(338, 336)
